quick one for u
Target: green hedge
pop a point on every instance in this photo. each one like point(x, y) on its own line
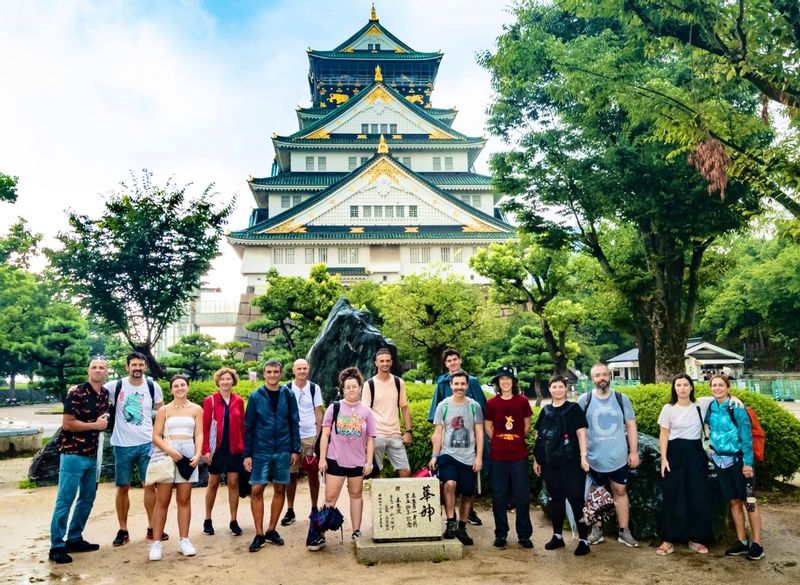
point(199, 389)
point(419, 392)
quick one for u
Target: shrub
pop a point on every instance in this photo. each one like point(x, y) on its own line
point(419, 392)
point(199, 389)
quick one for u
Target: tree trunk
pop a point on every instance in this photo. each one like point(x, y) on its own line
point(647, 354)
point(12, 385)
point(156, 370)
point(669, 341)
point(557, 353)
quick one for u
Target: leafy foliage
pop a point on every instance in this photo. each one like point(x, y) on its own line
point(193, 356)
point(8, 188)
point(138, 264)
point(19, 245)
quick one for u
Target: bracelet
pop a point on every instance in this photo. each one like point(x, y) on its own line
point(434, 455)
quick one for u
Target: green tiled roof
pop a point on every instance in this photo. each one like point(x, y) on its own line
point(347, 270)
point(374, 56)
point(371, 236)
point(253, 231)
point(300, 179)
point(371, 142)
point(365, 28)
point(349, 104)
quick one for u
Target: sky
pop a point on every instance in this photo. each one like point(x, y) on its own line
point(192, 90)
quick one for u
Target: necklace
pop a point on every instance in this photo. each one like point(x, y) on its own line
point(186, 404)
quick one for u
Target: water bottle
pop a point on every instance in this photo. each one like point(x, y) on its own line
point(750, 493)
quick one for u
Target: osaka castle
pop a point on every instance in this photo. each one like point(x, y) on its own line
point(376, 183)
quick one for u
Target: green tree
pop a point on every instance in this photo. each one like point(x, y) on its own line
point(60, 350)
point(8, 188)
point(19, 245)
point(232, 352)
point(194, 356)
point(524, 272)
point(599, 163)
point(428, 312)
point(136, 266)
point(295, 308)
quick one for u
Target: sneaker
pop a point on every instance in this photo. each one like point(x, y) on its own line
point(525, 543)
point(316, 544)
point(626, 538)
point(121, 538)
point(155, 551)
point(450, 529)
point(738, 549)
point(461, 535)
point(554, 543)
point(273, 537)
point(149, 536)
point(257, 543)
point(596, 537)
point(235, 530)
point(473, 519)
point(80, 545)
point(186, 548)
point(356, 534)
point(288, 518)
point(582, 548)
point(500, 542)
point(208, 527)
point(756, 552)
point(59, 555)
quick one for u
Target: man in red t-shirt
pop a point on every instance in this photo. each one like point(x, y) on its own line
point(507, 422)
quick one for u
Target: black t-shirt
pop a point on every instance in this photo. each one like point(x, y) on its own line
point(574, 418)
point(274, 397)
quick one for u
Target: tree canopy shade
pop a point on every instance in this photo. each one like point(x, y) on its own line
point(8, 188)
point(753, 44)
point(137, 265)
point(589, 153)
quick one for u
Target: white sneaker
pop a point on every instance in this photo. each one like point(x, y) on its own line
point(185, 547)
point(155, 551)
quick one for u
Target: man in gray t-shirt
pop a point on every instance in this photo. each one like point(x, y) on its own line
point(458, 453)
point(613, 446)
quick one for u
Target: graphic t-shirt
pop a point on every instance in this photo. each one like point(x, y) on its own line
point(133, 424)
point(385, 406)
point(354, 426)
point(508, 438)
point(85, 405)
point(458, 425)
point(306, 406)
point(608, 443)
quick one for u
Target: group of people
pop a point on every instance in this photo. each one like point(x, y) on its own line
point(283, 430)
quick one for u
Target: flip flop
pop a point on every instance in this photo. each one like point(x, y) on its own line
point(663, 551)
point(698, 548)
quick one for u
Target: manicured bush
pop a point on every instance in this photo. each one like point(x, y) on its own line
point(419, 392)
point(199, 389)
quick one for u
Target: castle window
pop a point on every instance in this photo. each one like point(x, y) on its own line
point(373, 128)
point(297, 200)
point(367, 210)
point(309, 163)
point(384, 128)
point(309, 255)
point(378, 211)
point(412, 211)
point(322, 163)
point(445, 254)
point(364, 159)
point(348, 255)
point(365, 128)
point(322, 254)
point(393, 128)
point(458, 254)
point(354, 211)
point(399, 211)
point(352, 162)
point(437, 163)
point(420, 255)
point(448, 163)
point(407, 161)
point(286, 201)
point(283, 255)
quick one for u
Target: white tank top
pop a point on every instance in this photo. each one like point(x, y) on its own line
point(179, 425)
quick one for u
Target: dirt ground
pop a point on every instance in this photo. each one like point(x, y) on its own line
point(24, 542)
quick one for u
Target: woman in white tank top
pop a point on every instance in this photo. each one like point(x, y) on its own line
point(178, 431)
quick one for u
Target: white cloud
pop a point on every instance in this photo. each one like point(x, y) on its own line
point(94, 89)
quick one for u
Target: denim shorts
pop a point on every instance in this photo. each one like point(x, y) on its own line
point(125, 458)
point(270, 468)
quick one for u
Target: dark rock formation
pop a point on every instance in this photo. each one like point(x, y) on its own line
point(348, 338)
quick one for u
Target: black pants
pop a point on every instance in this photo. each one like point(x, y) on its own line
point(686, 509)
point(566, 483)
point(511, 476)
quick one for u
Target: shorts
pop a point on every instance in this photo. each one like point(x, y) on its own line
point(185, 447)
point(619, 476)
point(393, 446)
point(271, 468)
point(307, 445)
point(125, 458)
point(335, 469)
point(731, 481)
point(225, 462)
point(450, 469)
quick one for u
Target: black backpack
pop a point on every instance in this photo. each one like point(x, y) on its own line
point(371, 383)
point(112, 408)
point(554, 445)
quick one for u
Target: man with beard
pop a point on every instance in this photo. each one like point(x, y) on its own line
point(134, 400)
point(613, 446)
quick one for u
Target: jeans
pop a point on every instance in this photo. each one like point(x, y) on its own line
point(77, 473)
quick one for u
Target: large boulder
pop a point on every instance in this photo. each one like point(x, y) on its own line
point(349, 338)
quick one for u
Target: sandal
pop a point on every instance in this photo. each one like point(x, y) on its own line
point(698, 548)
point(665, 549)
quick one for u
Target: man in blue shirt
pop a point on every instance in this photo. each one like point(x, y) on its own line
point(452, 361)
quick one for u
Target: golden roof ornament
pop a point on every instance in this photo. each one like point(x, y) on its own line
point(383, 148)
point(373, 16)
point(378, 74)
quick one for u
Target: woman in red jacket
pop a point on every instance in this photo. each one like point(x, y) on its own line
point(223, 444)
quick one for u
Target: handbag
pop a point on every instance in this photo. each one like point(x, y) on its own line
point(599, 505)
point(212, 435)
point(161, 468)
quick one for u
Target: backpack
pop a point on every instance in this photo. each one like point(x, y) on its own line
point(759, 437)
point(112, 408)
point(371, 383)
point(617, 395)
point(554, 445)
